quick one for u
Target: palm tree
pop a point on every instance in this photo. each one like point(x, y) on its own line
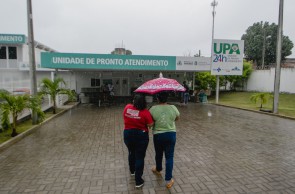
point(53, 88)
point(262, 97)
point(4, 115)
point(12, 105)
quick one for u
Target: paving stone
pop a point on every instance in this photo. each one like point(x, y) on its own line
point(83, 151)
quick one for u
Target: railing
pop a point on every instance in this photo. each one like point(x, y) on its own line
point(9, 63)
point(3, 63)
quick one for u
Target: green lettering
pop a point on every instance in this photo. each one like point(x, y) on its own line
point(234, 48)
point(226, 47)
point(215, 48)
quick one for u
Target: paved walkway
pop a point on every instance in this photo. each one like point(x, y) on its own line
point(82, 151)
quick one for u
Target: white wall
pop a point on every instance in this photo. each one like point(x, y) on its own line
point(15, 79)
point(25, 56)
point(263, 80)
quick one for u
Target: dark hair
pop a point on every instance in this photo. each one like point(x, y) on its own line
point(139, 101)
point(162, 97)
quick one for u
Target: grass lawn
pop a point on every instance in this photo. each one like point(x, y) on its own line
point(23, 126)
point(242, 100)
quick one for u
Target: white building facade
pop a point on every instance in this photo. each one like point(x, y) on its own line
point(14, 63)
point(89, 73)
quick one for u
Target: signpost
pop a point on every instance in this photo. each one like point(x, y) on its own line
point(227, 59)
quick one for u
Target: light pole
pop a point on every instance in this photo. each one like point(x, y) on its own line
point(214, 4)
point(32, 62)
point(278, 60)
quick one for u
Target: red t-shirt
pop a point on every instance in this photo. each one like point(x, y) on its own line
point(136, 119)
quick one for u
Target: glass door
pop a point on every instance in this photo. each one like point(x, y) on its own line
point(121, 86)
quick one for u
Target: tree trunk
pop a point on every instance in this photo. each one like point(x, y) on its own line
point(14, 133)
point(54, 106)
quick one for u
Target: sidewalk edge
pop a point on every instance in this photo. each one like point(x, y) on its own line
point(271, 114)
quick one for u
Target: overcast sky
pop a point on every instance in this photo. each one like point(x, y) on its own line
point(146, 27)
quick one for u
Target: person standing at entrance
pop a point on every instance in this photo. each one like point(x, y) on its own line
point(186, 93)
point(164, 131)
point(137, 121)
point(111, 89)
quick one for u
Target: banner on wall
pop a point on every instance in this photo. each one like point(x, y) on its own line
point(123, 62)
point(227, 57)
point(193, 63)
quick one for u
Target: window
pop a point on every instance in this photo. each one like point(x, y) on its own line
point(95, 82)
point(107, 81)
point(92, 82)
point(3, 52)
point(12, 52)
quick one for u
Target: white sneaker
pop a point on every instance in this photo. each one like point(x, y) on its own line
point(139, 186)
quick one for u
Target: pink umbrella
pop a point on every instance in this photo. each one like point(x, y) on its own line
point(160, 84)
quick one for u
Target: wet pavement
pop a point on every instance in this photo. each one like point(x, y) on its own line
point(218, 150)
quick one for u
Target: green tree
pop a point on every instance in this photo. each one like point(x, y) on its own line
point(261, 97)
point(260, 34)
point(4, 115)
point(239, 80)
point(35, 105)
point(54, 88)
point(13, 105)
point(205, 80)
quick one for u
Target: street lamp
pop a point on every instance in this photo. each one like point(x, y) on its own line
point(32, 61)
point(278, 59)
point(214, 4)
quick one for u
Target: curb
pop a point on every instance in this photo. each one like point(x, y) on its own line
point(266, 113)
point(20, 136)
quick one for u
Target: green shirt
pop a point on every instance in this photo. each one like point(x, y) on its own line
point(164, 117)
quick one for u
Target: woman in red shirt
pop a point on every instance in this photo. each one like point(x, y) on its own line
point(137, 120)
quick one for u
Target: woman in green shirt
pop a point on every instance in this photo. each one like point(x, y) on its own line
point(164, 131)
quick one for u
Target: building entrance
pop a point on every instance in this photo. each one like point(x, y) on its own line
point(121, 86)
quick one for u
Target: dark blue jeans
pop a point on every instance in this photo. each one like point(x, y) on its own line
point(165, 143)
point(136, 142)
point(185, 98)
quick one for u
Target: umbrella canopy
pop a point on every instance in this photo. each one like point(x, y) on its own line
point(160, 84)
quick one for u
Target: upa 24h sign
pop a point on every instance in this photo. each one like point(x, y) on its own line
point(227, 57)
